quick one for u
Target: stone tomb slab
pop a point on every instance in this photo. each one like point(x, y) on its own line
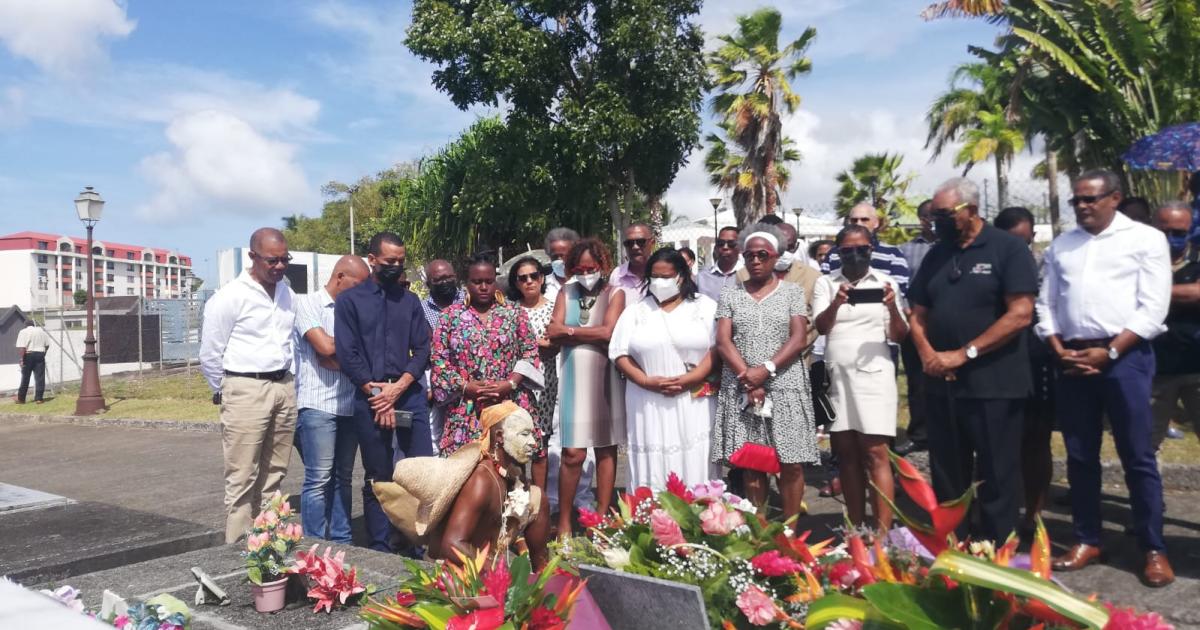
point(635, 602)
point(226, 567)
point(15, 498)
point(58, 542)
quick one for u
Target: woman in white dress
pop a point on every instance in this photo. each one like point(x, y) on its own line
point(664, 347)
point(859, 310)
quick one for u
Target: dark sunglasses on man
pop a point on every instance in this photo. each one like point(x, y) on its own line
point(1079, 200)
point(723, 244)
point(272, 261)
point(629, 243)
point(860, 250)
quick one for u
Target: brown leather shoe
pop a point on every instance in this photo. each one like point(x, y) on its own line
point(1078, 557)
point(1158, 571)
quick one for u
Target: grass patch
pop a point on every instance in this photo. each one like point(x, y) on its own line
point(152, 397)
point(1183, 451)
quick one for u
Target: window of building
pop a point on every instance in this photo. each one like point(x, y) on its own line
point(109, 265)
point(110, 253)
point(129, 291)
point(41, 273)
point(128, 267)
point(129, 279)
point(79, 275)
point(128, 255)
point(78, 249)
point(73, 323)
point(96, 251)
point(108, 290)
point(64, 247)
point(66, 286)
point(42, 258)
point(108, 277)
point(43, 245)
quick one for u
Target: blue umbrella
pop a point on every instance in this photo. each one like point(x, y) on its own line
point(1175, 148)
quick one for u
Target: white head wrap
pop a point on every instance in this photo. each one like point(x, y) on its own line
point(766, 236)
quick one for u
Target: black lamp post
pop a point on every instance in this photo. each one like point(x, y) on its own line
point(89, 206)
point(716, 203)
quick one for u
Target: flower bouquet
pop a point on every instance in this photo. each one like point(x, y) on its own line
point(161, 612)
point(476, 596)
point(268, 544)
point(330, 583)
point(751, 572)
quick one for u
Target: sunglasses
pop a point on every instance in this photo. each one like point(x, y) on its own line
point(1079, 200)
point(853, 220)
point(722, 243)
point(530, 277)
point(760, 255)
point(859, 250)
point(946, 213)
point(272, 261)
point(640, 242)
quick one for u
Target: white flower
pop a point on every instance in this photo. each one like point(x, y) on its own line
point(517, 504)
point(983, 549)
point(787, 531)
point(616, 558)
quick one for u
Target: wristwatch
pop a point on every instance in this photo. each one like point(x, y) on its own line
point(770, 366)
point(972, 352)
point(1113, 355)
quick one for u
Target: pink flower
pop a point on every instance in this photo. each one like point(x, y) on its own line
point(590, 519)
point(266, 519)
point(122, 622)
point(711, 490)
point(257, 541)
point(1128, 619)
point(758, 607)
point(285, 510)
point(718, 520)
point(845, 624)
point(773, 564)
point(666, 530)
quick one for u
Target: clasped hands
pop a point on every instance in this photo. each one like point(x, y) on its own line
point(487, 393)
point(1086, 362)
point(383, 404)
point(944, 364)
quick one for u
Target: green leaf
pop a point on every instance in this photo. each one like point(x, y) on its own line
point(968, 569)
point(916, 607)
point(436, 616)
point(254, 574)
point(835, 606)
point(679, 510)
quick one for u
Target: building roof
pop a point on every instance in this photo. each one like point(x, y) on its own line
point(29, 235)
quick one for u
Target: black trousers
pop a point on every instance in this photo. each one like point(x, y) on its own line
point(33, 364)
point(914, 374)
point(978, 440)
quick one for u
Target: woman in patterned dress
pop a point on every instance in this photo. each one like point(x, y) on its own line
point(765, 399)
point(591, 394)
point(527, 286)
point(484, 352)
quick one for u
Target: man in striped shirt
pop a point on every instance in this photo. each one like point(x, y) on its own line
point(886, 258)
point(324, 431)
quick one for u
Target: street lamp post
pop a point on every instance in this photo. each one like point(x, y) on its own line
point(797, 212)
point(89, 205)
point(716, 203)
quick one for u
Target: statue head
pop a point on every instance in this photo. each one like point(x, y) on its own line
point(511, 428)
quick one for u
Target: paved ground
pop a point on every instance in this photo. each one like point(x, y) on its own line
point(178, 474)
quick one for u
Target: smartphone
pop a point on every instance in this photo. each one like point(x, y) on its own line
point(403, 419)
point(866, 296)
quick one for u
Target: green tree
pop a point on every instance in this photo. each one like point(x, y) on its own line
point(876, 179)
point(752, 74)
point(614, 88)
point(329, 233)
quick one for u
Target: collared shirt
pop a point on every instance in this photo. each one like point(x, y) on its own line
point(914, 252)
point(433, 311)
point(712, 279)
point(1098, 285)
point(1177, 351)
point(627, 281)
point(553, 286)
point(246, 330)
point(380, 333)
point(886, 258)
point(318, 387)
point(964, 291)
point(33, 339)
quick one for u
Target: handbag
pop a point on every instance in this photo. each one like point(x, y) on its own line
point(759, 457)
point(823, 411)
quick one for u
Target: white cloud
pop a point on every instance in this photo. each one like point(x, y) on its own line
point(220, 162)
point(62, 37)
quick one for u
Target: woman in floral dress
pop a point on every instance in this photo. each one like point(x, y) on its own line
point(527, 286)
point(484, 352)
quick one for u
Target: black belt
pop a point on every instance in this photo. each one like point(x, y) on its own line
point(392, 379)
point(1085, 344)
point(277, 375)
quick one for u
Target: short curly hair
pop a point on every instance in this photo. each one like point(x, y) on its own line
point(590, 245)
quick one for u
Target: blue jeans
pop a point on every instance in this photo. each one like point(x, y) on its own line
point(327, 446)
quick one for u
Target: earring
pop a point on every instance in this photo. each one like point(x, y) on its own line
point(467, 299)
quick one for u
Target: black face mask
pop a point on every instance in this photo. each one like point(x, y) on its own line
point(443, 291)
point(389, 274)
point(855, 264)
point(946, 229)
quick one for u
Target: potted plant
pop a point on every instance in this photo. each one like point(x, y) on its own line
point(268, 544)
point(331, 583)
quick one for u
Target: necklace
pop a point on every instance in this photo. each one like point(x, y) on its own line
point(585, 308)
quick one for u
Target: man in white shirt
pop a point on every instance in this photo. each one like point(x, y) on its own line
point(1106, 294)
point(32, 342)
point(727, 261)
point(325, 433)
point(246, 353)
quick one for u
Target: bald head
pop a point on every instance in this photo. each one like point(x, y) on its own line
point(263, 237)
point(437, 270)
point(864, 214)
point(348, 272)
point(789, 232)
point(269, 257)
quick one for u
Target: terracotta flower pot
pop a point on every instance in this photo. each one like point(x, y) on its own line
point(269, 596)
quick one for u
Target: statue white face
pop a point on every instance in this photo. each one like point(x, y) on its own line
point(519, 441)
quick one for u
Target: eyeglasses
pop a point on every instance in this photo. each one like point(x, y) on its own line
point(272, 261)
point(722, 243)
point(530, 277)
point(757, 254)
point(946, 213)
point(854, 220)
point(1079, 200)
point(857, 250)
point(580, 271)
point(631, 242)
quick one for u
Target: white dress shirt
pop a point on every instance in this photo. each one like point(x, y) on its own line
point(1099, 285)
point(33, 339)
point(246, 331)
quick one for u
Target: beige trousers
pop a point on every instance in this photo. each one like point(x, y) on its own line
point(258, 420)
point(1176, 397)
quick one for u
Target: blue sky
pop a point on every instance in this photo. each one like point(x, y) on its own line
point(199, 121)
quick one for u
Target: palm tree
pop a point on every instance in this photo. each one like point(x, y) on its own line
point(992, 137)
point(874, 178)
point(752, 74)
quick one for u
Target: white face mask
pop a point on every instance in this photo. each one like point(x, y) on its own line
point(785, 261)
point(664, 289)
point(559, 268)
point(589, 280)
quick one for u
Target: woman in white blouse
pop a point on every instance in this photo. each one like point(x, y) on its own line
point(663, 345)
point(859, 310)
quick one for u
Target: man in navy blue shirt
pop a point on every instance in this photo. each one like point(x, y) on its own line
point(382, 342)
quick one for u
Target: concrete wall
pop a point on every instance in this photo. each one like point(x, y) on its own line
point(63, 362)
point(16, 279)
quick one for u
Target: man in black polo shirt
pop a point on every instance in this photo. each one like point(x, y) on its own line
point(1177, 351)
point(972, 299)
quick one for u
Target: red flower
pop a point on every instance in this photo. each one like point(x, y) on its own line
point(676, 487)
point(1128, 619)
point(590, 519)
point(486, 619)
point(405, 598)
point(497, 582)
point(545, 619)
point(772, 564)
point(636, 498)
